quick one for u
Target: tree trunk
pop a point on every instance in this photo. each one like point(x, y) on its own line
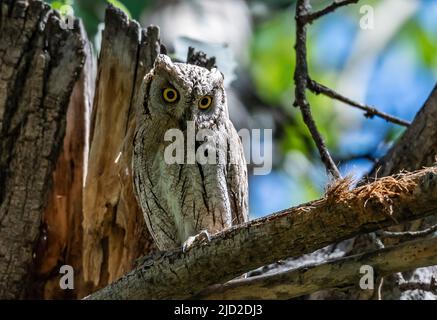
point(114, 230)
point(39, 65)
point(61, 241)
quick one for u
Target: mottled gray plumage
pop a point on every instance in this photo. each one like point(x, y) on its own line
point(180, 200)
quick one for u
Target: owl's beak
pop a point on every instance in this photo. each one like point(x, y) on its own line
point(189, 114)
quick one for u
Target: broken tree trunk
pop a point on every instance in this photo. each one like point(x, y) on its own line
point(45, 113)
point(39, 65)
point(114, 230)
point(61, 241)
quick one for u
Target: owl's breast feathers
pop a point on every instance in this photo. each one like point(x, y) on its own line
point(179, 200)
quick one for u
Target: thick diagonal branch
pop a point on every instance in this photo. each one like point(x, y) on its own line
point(343, 272)
point(341, 214)
point(418, 145)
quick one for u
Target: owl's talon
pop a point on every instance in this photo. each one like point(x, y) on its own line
point(201, 238)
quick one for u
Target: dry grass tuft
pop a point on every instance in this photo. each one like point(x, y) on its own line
point(378, 194)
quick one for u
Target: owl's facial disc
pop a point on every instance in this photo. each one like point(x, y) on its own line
point(182, 92)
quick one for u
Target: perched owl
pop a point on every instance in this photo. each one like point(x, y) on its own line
point(183, 199)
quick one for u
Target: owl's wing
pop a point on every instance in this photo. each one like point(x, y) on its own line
point(237, 178)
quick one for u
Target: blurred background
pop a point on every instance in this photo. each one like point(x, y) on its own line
point(392, 66)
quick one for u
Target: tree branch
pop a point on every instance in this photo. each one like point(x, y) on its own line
point(408, 235)
point(340, 215)
point(418, 145)
point(40, 63)
point(318, 88)
point(309, 18)
point(343, 272)
point(430, 287)
point(301, 82)
point(304, 16)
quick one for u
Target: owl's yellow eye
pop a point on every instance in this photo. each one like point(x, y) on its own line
point(170, 95)
point(205, 102)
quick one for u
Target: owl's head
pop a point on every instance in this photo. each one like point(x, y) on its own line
point(184, 92)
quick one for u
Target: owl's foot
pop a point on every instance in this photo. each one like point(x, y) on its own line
point(201, 238)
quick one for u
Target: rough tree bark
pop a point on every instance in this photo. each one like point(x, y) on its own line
point(39, 65)
point(61, 240)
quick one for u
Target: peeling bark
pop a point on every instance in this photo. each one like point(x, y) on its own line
point(47, 219)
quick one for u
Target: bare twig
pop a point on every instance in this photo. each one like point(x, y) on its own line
point(310, 17)
point(301, 83)
point(376, 241)
point(408, 235)
point(302, 80)
point(318, 88)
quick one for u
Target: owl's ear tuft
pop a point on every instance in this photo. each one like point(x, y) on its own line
point(218, 74)
point(163, 61)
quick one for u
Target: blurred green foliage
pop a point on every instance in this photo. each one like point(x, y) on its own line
point(272, 69)
point(275, 60)
point(422, 40)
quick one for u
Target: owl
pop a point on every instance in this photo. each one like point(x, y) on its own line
point(185, 199)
